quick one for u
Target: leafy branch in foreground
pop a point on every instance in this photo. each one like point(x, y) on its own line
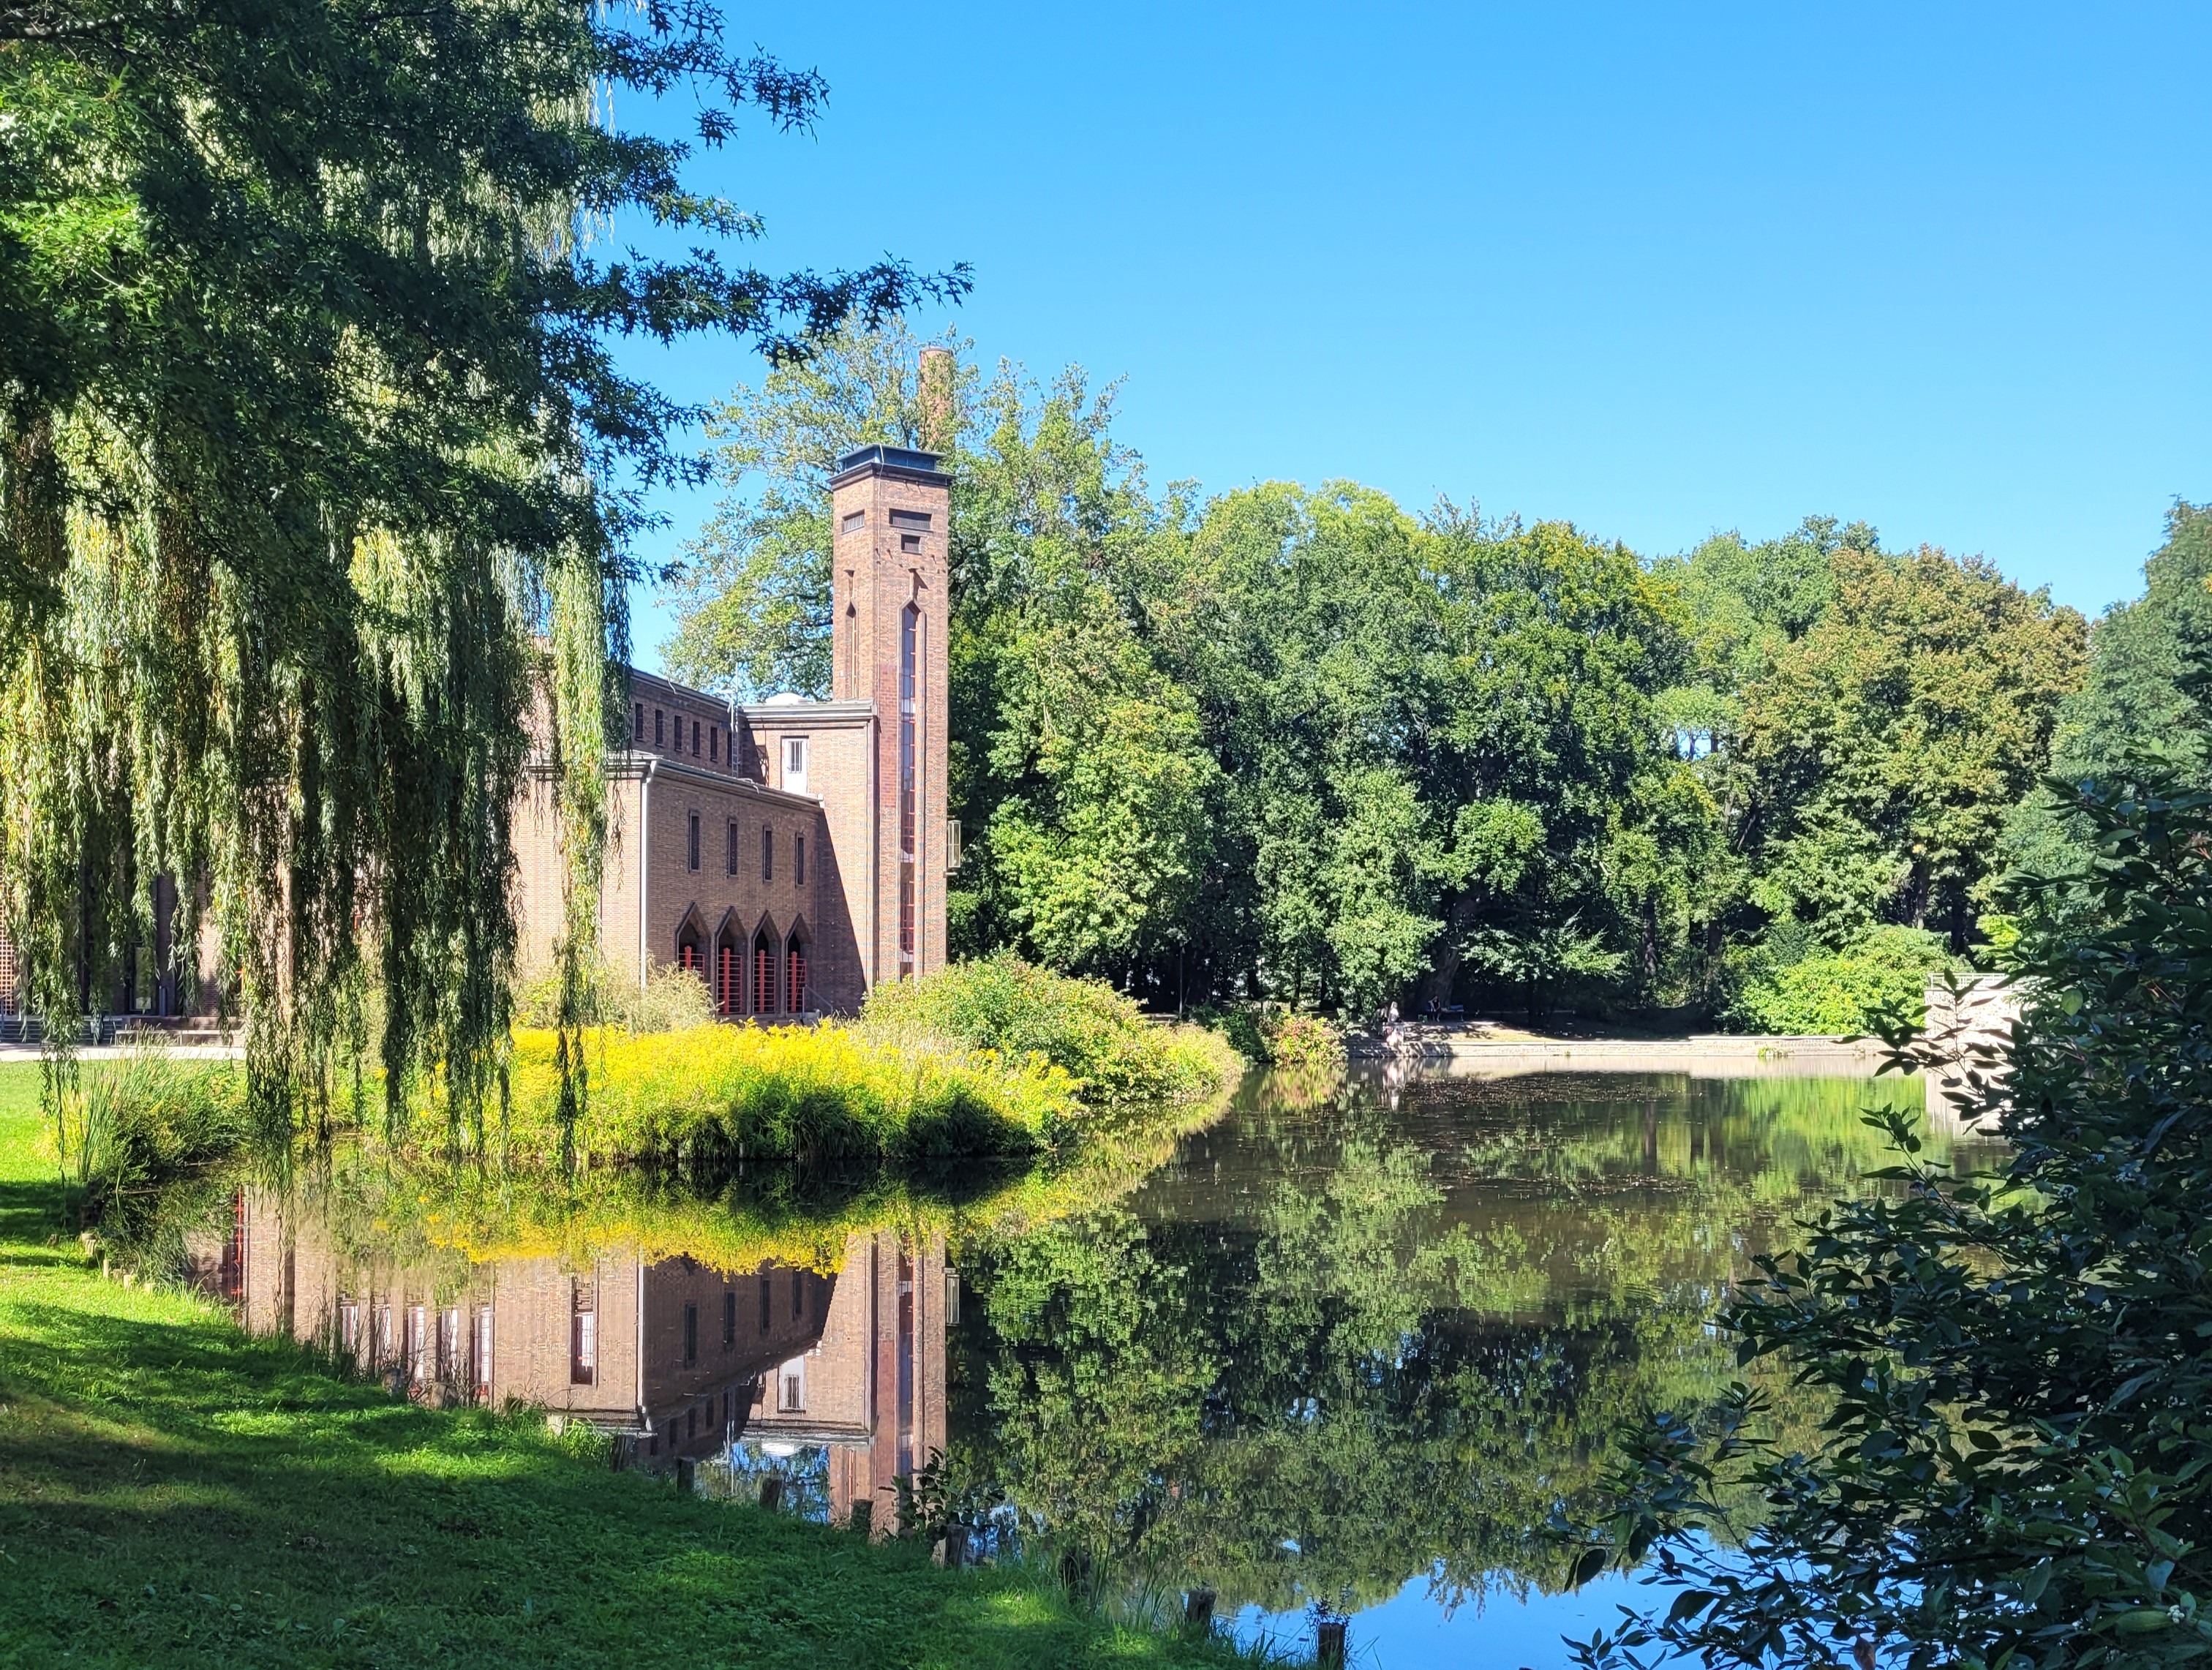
point(2018, 1464)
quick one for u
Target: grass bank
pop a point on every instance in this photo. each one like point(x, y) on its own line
point(174, 1491)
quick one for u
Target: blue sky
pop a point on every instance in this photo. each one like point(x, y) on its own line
point(1655, 269)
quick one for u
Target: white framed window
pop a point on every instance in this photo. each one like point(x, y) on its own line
point(791, 1388)
point(794, 764)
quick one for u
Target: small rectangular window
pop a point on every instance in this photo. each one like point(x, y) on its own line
point(909, 542)
point(799, 860)
point(659, 728)
point(583, 1335)
point(729, 1317)
point(909, 518)
point(695, 738)
point(637, 736)
point(713, 744)
point(690, 1335)
point(798, 1295)
point(791, 1389)
point(480, 1354)
point(694, 847)
point(854, 522)
point(768, 853)
point(730, 857)
point(764, 1302)
point(794, 764)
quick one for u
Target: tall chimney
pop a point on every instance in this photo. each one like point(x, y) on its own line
point(940, 424)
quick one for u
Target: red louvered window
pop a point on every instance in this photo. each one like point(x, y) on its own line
point(794, 975)
point(763, 977)
point(725, 981)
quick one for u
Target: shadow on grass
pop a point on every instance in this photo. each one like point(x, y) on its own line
point(173, 1490)
point(30, 1217)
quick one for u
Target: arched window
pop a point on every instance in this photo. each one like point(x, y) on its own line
point(794, 974)
point(763, 974)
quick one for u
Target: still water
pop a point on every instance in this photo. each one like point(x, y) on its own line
point(1350, 1344)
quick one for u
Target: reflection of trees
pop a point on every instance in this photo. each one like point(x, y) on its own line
point(1405, 1352)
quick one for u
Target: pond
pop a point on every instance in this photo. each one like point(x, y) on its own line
point(1348, 1345)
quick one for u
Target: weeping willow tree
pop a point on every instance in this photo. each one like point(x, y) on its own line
point(317, 476)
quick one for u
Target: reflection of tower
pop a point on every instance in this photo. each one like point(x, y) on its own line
point(874, 1385)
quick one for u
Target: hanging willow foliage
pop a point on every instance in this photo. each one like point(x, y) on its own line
point(316, 478)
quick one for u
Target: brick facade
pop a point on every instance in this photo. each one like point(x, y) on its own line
point(869, 902)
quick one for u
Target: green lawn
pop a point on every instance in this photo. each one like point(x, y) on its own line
point(173, 1492)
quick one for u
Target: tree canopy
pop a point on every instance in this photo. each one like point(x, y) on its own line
point(1299, 742)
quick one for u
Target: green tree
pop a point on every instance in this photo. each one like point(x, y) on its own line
point(751, 592)
point(1886, 746)
point(2139, 702)
point(1078, 770)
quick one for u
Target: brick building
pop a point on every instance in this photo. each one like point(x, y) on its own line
point(794, 853)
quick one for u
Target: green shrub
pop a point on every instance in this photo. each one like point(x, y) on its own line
point(1845, 991)
point(125, 1127)
point(1112, 1053)
point(1278, 1036)
point(672, 999)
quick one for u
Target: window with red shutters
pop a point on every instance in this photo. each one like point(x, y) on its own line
point(763, 976)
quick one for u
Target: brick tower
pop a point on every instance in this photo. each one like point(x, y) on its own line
point(889, 506)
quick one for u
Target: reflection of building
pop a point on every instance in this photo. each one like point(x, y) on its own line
point(666, 1356)
point(671, 1358)
point(872, 1391)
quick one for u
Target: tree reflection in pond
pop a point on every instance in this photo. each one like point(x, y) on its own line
point(1333, 1346)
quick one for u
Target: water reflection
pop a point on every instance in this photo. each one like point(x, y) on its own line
point(1348, 1340)
point(834, 1381)
point(1352, 1344)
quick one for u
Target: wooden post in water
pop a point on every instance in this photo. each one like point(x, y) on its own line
point(1328, 1647)
point(863, 1518)
point(771, 1491)
point(687, 1475)
point(1198, 1614)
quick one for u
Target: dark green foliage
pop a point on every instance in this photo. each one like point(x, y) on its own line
point(2019, 1468)
point(2140, 703)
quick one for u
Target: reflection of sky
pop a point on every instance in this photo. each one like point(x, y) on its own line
point(1410, 1629)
